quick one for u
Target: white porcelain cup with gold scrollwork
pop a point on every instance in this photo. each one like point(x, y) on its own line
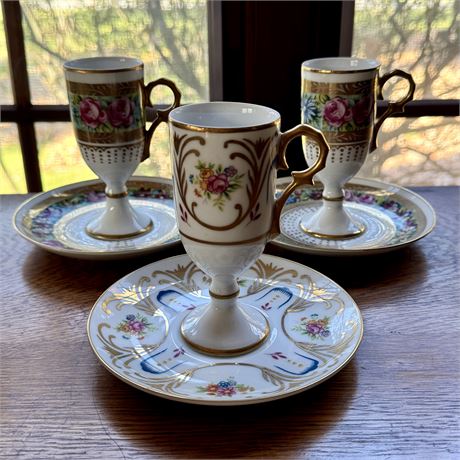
point(225, 156)
point(338, 98)
point(107, 98)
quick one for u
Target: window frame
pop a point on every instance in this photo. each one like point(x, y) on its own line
point(222, 35)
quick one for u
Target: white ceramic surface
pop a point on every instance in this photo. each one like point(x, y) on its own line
point(394, 218)
point(134, 330)
point(224, 157)
point(56, 220)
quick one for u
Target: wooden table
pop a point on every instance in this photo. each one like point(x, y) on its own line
point(399, 397)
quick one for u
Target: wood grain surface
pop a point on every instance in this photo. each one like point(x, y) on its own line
point(398, 398)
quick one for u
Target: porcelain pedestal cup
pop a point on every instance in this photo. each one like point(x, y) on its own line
point(107, 99)
point(225, 157)
point(338, 98)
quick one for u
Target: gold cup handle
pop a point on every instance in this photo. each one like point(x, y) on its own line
point(161, 115)
point(298, 177)
point(393, 107)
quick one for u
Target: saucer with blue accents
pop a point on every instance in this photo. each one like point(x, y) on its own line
point(134, 331)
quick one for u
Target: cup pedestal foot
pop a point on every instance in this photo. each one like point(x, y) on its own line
point(332, 221)
point(119, 220)
point(225, 328)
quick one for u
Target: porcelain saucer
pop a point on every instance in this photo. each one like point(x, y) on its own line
point(392, 216)
point(56, 220)
point(134, 330)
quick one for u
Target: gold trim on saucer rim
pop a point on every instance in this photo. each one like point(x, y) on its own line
point(161, 386)
point(423, 211)
point(102, 236)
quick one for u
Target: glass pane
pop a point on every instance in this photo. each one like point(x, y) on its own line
point(159, 162)
point(12, 178)
point(60, 160)
point(6, 95)
point(170, 36)
point(416, 151)
point(419, 37)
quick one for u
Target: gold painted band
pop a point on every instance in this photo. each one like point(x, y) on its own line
point(329, 72)
point(222, 243)
point(354, 234)
point(224, 297)
point(133, 136)
point(116, 195)
point(231, 352)
point(89, 71)
point(102, 236)
point(126, 88)
point(335, 198)
point(342, 139)
point(210, 129)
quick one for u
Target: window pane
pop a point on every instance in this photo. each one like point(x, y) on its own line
point(6, 95)
point(12, 178)
point(170, 36)
point(417, 151)
point(419, 37)
point(61, 162)
point(159, 163)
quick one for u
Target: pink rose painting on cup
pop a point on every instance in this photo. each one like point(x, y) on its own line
point(215, 183)
point(106, 114)
point(343, 113)
point(337, 112)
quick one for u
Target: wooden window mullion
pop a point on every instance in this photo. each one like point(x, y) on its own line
point(21, 93)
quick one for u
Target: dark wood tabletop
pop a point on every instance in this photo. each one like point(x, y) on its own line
point(398, 397)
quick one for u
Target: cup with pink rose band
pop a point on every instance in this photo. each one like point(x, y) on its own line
point(107, 100)
point(339, 98)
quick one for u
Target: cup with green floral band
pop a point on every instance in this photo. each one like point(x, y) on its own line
point(339, 98)
point(107, 100)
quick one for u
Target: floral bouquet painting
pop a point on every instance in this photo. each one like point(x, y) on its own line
point(215, 183)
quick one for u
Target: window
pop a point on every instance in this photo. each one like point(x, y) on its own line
point(420, 38)
point(169, 36)
point(253, 53)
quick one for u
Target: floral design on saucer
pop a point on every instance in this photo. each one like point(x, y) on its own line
point(314, 327)
point(43, 224)
point(406, 222)
point(227, 388)
point(287, 362)
point(392, 216)
point(135, 326)
point(56, 220)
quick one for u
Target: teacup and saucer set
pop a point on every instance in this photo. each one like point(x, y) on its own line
point(347, 215)
point(116, 216)
point(226, 324)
